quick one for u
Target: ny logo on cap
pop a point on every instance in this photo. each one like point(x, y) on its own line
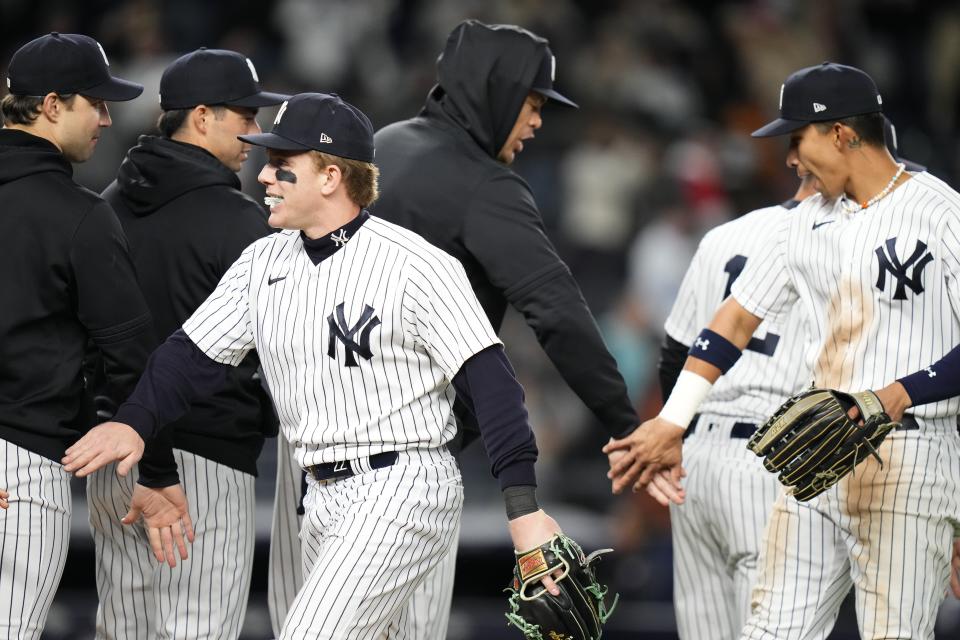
point(283, 108)
point(103, 53)
point(253, 70)
point(325, 138)
point(780, 106)
point(553, 68)
point(817, 107)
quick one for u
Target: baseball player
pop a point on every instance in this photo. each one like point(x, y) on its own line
point(446, 175)
point(727, 498)
point(365, 333)
point(178, 198)
point(74, 283)
point(874, 260)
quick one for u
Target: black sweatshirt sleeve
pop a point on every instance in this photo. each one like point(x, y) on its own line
point(108, 299)
point(504, 232)
point(487, 385)
point(673, 355)
point(177, 374)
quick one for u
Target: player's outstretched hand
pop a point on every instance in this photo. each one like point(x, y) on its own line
point(955, 569)
point(105, 443)
point(666, 486)
point(531, 531)
point(3, 499)
point(163, 510)
point(654, 445)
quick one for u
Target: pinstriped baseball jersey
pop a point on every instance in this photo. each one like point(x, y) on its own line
point(358, 351)
point(759, 382)
point(881, 286)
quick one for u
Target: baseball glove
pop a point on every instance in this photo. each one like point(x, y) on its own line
point(812, 443)
point(580, 610)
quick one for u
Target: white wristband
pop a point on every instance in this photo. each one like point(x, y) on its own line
point(685, 398)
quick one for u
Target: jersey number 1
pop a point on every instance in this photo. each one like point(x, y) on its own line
point(733, 269)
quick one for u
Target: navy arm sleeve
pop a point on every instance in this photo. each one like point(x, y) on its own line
point(939, 381)
point(504, 232)
point(177, 373)
point(673, 355)
point(487, 385)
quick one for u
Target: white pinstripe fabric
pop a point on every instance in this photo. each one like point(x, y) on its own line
point(407, 515)
point(203, 597)
point(429, 609)
point(34, 536)
point(285, 576)
point(887, 531)
point(718, 531)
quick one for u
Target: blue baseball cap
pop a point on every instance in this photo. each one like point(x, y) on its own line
point(66, 63)
point(213, 77)
point(823, 93)
point(319, 122)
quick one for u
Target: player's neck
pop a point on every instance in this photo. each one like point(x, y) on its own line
point(870, 173)
point(331, 218)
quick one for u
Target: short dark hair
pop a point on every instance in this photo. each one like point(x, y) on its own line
point(172, 121)
point(26, 109)
point(869, 126)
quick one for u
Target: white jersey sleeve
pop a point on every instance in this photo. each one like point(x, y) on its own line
point(683, 323)
point(766, 289)
point(951, 260)
point(220, 327)
point(443, 315)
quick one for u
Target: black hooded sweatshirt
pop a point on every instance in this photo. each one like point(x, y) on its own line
point(187, 221)
point(439, 177)
point(67, 279)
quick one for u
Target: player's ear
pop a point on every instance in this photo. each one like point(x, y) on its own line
point(330, 178)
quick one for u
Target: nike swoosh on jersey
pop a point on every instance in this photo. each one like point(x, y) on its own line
point(820, 224)
point(275, 280)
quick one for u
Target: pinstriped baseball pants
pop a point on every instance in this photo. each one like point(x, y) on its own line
point(718, 531)
point(886, 531)
point(203, 597)
point(369, 541)
point(34, 536)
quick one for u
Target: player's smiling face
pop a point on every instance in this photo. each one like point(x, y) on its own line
point(294, 187)
point(813, 152)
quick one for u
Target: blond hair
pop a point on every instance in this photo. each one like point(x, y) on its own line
point(359, 177)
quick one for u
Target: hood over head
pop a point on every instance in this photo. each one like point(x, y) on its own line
point(484, 75)
point(23, 154)
point(159, 169)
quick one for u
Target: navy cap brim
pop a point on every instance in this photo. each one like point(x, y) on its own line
point(273, 141)
point(559, 97)
point(262, 99)
point(114, 90)
point(779, 127)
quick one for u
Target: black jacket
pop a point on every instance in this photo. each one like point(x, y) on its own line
point(187, 221)
point(67, 279)
point(440, 178)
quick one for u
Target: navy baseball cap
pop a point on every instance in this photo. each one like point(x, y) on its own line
point(213, 77)
point(543, 81)
point(319, 122)
point(890, 140)
point(66, 63)
point(823, 93)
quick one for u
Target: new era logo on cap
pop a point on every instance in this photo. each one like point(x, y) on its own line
point(325, 139)
point(805, 95)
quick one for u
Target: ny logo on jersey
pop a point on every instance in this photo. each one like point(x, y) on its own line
point(340, 330)
point(889, 261)
point(701, 343)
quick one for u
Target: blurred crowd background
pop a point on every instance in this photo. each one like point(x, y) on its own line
point(658, 153)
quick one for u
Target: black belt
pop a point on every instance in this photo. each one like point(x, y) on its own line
point(741, 430)
point(908, 423)
point(337, 470)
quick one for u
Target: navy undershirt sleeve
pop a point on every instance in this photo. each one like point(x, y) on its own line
point(487, 385)
point(939, 381)
point(177, 373)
